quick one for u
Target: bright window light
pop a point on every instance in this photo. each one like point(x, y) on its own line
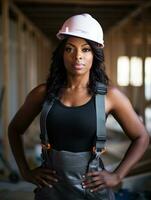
point(136, 71)
point(148, 78)
point(123, 71)
point(148, 118)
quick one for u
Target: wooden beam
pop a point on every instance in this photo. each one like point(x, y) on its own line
point(131, 15)
point(20, 62)
point(5, 57)
point(84, 2)
point(27, 21)
point(144, 33)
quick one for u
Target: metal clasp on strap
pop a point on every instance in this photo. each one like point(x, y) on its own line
point(45, 151)
point(46, 146)
point(101, 151)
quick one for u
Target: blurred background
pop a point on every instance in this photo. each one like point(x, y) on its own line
point(27, 39)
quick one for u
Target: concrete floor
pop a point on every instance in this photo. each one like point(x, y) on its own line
point(16, 191)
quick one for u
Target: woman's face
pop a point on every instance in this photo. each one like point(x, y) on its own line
point(78, 56)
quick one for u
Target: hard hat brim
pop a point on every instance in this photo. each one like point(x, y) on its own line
point(63, 35)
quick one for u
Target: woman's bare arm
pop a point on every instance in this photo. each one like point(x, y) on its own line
point(120, 107)
point(123, 112)
point(21, 121)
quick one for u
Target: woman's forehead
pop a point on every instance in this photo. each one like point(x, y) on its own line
point(76, 40)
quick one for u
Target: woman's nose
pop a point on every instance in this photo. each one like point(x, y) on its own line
point(78, 55)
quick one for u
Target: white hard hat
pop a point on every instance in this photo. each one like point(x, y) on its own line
point(84, 26)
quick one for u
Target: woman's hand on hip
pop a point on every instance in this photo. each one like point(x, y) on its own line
point(100, 179)
point(41, 177)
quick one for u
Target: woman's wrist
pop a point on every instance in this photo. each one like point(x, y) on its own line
point(119, 175)
point(24, 171)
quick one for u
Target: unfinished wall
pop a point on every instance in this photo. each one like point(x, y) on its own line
point(131, 38)
point(24, 62)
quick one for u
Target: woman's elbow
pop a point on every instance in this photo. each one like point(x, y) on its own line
point(12, 130)
point(145, 140)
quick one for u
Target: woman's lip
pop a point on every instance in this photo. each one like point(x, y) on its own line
point(78, 66)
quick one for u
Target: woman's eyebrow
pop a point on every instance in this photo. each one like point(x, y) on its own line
point(68, 43)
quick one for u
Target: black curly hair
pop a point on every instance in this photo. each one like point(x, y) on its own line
point(57, 77)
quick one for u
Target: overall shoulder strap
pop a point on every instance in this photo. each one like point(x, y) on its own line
point(101, 90)
point(45, 110)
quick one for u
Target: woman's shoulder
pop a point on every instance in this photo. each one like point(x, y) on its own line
point(38, 94)
point(116, 98)
point(113, 90)
point(30, 108)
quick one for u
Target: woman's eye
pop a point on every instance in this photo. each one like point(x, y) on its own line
point(86, 49)
point(68, 49)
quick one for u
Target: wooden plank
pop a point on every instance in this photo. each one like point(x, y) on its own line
point(5, 56)
point(84, 2)
point(20, 70)
point(26, 20)
point(38, 58)
point(144, 33)
point(139, 10)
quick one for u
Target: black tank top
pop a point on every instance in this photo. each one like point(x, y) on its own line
point(72, 128)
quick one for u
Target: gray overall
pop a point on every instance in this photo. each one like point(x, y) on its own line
point(71, 166)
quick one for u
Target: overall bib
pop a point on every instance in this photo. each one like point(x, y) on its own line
point(71, 166)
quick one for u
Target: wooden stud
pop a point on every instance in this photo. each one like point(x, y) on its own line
point(5, 53)
point(20, 63)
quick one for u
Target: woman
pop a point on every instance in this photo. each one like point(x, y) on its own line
point(77, 66)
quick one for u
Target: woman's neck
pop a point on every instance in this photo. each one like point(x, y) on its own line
point(77, 82)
